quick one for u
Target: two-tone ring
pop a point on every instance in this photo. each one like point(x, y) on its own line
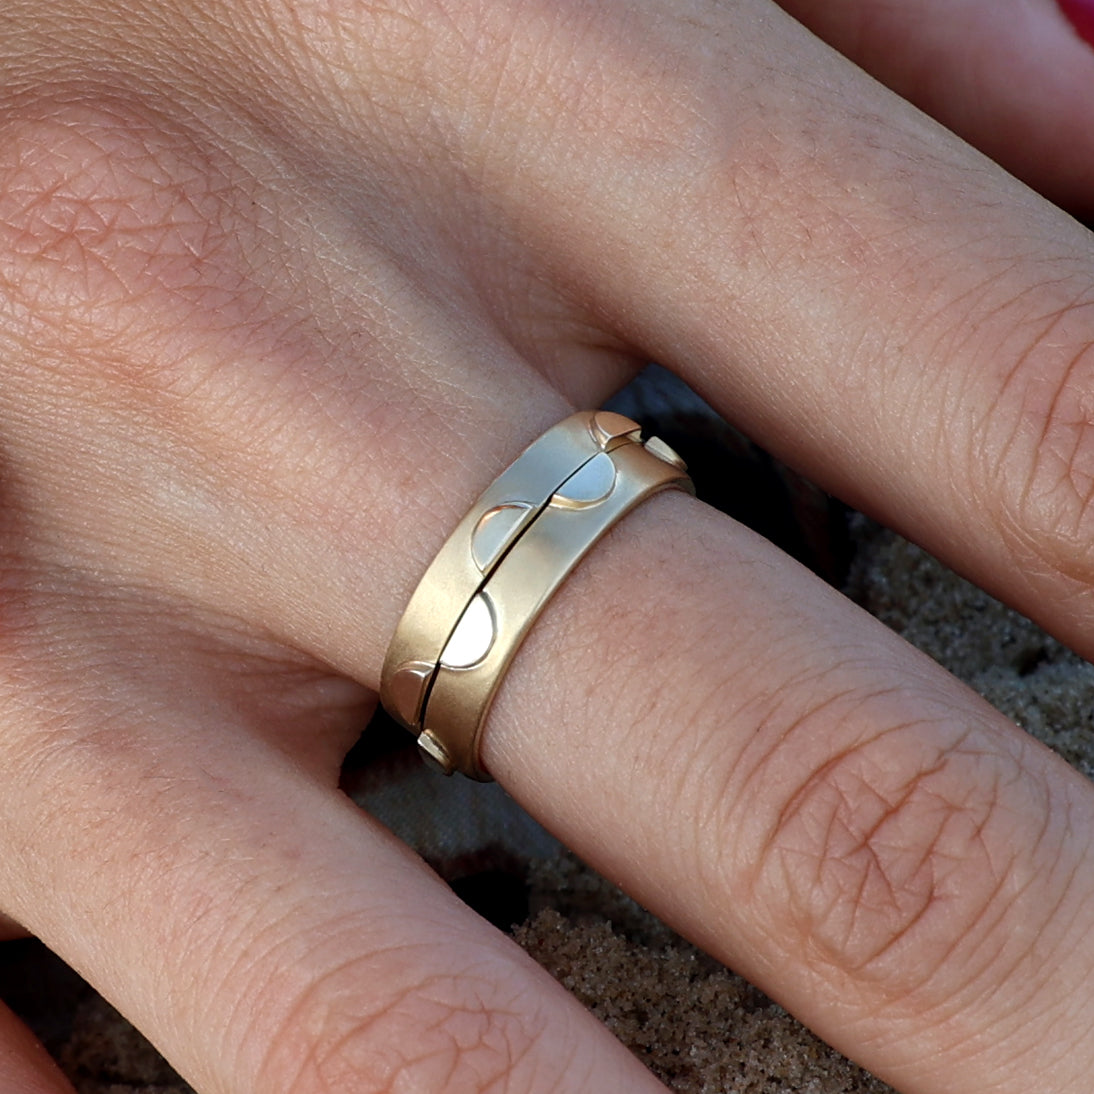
point(491, 579)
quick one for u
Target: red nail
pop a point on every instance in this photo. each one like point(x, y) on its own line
point(1081, 14)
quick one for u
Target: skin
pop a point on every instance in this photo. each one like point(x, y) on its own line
point(284, 285)
point(1011, 78)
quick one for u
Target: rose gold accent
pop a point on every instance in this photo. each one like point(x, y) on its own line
point(611, 429)
point(406, 690)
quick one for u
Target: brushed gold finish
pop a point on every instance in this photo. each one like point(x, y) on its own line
point(454, 576)
point(483, 592)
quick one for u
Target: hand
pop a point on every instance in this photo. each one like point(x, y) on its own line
point(283, 287)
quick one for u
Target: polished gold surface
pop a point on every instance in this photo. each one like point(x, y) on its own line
point(495, 532)
point(490, 580)
point(473, 636)
point(589, 485)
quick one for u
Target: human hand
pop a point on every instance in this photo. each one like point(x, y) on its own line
point(284, 286)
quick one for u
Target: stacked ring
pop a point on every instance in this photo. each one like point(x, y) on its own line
point(487, 585)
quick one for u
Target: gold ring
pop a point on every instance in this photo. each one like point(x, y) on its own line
point(481, 594)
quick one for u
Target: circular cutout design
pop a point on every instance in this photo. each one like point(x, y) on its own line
point(588, 485)
point(473, 637)
point(495, 532)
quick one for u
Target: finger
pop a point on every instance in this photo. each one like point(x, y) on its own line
point(795, 790)
point(843, 691)
point(298, 379)
point(792, 787)
point(888, 311)
point(243, 914)
point(850, 284)
point(813, 803)
point(1016, 82)
point(25, 1066)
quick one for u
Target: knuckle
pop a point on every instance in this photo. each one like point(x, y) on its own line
point(895, 861)
point(78, 179)
point(451, 1031)
point(109, 210)
point(1036, 450)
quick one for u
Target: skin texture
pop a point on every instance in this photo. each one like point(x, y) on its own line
point(284, 285)
point(1014, 78)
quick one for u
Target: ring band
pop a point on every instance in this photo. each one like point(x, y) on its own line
point(491, 579)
